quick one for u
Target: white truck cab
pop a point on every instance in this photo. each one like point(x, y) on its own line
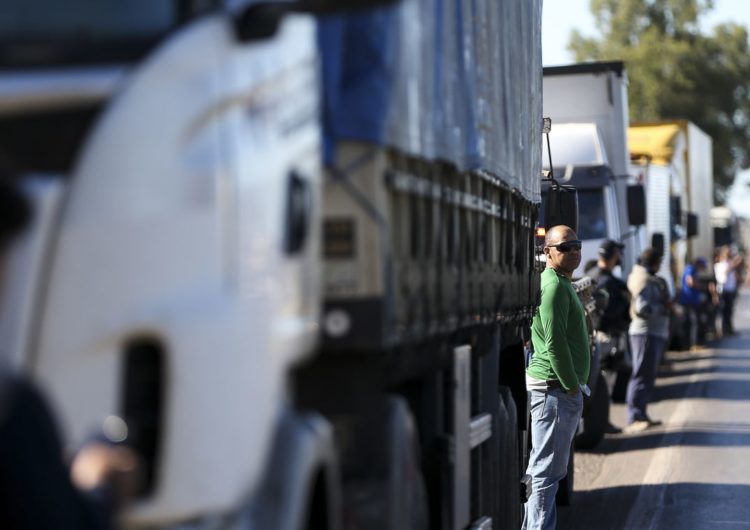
point(580, 160)
point(172, 274)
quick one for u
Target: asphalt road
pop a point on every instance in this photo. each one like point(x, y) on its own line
point(692, 472)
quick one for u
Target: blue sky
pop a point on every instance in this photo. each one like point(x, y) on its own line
point(560, 17)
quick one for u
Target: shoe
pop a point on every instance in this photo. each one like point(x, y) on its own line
point(612, 429)
point(637, 426)
point(654, 423)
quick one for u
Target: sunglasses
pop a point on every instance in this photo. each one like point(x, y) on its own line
point(567, 246)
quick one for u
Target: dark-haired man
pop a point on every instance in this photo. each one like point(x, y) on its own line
point(615, 318)
point(612, 321)
point(649, 330)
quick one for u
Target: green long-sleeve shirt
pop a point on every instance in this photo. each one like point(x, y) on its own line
point(559, 335)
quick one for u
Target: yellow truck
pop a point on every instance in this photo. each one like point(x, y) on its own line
point(674, 160)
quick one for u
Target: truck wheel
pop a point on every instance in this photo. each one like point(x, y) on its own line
point(620, 386)
point(565, 488)
point(407, 493)
point(386, 491)
point(595, 417)
point(319, 516)
point(512, 464)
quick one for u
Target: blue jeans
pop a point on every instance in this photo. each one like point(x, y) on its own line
point(554, 420)
point(647, 351)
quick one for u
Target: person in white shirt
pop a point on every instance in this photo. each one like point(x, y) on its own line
point(726, 272)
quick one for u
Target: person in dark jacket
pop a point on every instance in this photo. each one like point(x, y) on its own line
point(38, 491)
point(615, 317)
point(726, 271)
point(612, 321)
point(693, 298)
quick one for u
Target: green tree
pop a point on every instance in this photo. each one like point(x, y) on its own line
point(677, 72)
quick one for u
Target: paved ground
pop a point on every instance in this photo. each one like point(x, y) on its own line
point(693, 472)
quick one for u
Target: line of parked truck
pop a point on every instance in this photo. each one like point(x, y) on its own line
point(602, 154)
point(293, 255)
point(641, 184)
point(296, 257)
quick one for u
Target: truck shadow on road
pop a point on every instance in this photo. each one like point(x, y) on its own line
point(684, 506)
point(718, 352)
point(723, 369)
point(696, 434)
point(708, 388)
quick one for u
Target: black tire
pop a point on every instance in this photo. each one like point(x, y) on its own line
point(319, 516)
point(565, 487)
point(595, 417)
point(388, 491)
point(511, 459)
point(620, 386)
point(407, 506)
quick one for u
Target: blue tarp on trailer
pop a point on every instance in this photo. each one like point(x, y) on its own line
point(452, 80)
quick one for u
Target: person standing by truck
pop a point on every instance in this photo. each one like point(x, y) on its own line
point(649, 331)
point(726, 272)
point(612, 323)
point(556, 376)
point(693, 299)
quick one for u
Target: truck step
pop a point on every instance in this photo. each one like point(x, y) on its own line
point(485, 523)
point(480, 429)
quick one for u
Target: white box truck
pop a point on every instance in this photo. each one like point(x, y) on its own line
point(185, 161)
point(588, 105)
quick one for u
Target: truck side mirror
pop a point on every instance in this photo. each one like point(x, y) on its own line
point(260, 20)
point(692, 224)
point(657, 242)
point(675, 210)
point(722, 236)
point(256, 20)
point(321, 7)
point(561, 207)
point(636, 196)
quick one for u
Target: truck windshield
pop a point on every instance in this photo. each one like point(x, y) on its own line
point(592, 220)
point(49, 32)
point(576, 144)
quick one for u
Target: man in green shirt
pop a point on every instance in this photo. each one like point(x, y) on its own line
point(556, 375)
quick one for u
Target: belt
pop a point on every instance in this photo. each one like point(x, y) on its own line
point(554, 384)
